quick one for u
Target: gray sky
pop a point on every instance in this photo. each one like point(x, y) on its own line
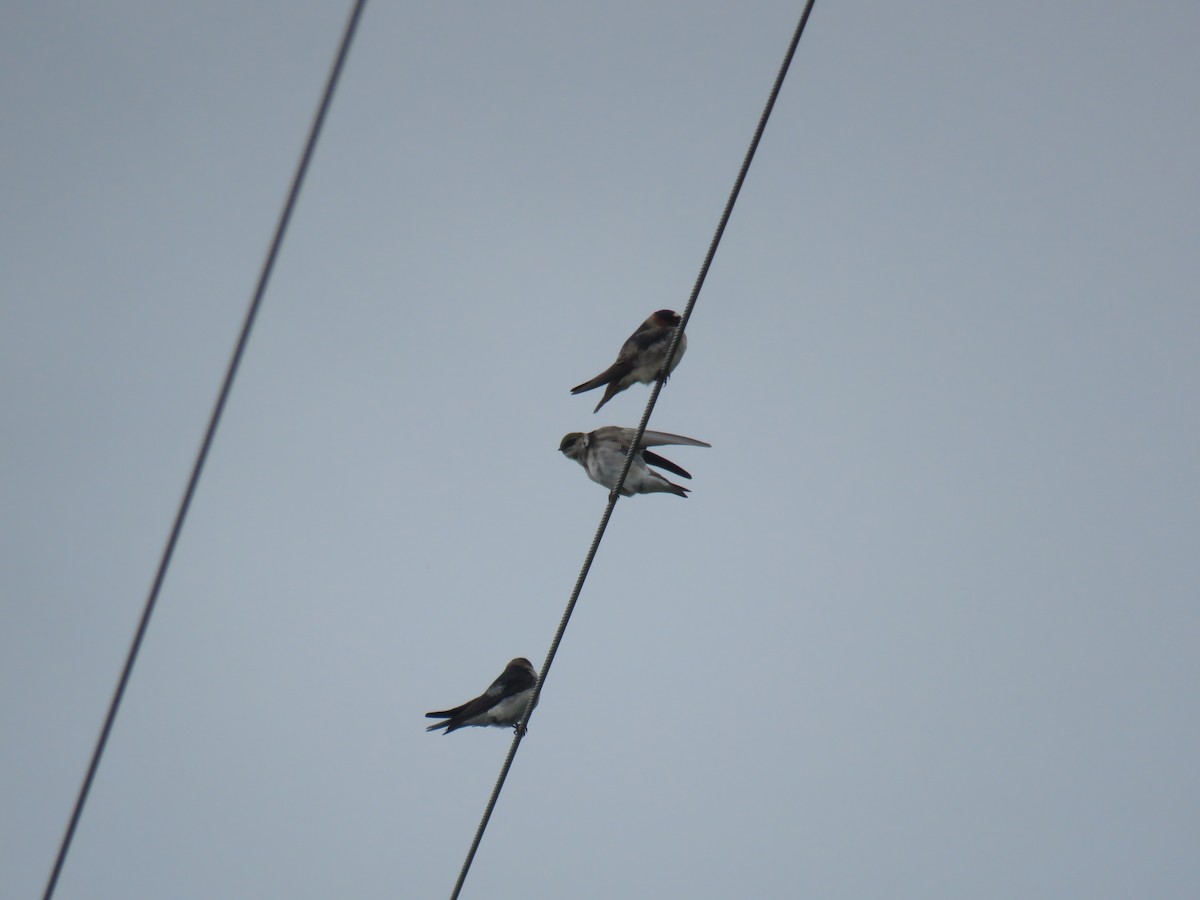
point(927, 626)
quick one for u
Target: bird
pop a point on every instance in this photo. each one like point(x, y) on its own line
point(602, 453)
point(501, 704)
point(641, 357)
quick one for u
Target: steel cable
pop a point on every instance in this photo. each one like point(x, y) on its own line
point(210, 432)
point(614, 494)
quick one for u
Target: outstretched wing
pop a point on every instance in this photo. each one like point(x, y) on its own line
point(663, 438)
point(663, 463)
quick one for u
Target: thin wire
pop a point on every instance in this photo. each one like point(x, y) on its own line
point(615, 493)
point(213, 421)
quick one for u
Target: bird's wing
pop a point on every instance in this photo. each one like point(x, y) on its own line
point(662, 438)
point(514, 679)
point(465, 711)
point(647, 335)
point(615, 372)
point(663, 463)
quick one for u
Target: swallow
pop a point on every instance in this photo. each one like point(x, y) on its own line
point(602, 453)
point(641, 357)
point(501, 704)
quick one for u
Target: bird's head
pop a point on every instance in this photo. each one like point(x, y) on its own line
point(666, 318)
point(572, 445)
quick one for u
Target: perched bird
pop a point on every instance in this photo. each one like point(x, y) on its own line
point(602, 453)
point(501, 704)
point(641, 357)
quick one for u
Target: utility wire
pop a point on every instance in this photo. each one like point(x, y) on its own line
point(213, 421)
point(615, 493)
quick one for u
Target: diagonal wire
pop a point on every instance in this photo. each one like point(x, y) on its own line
point(615, 493)
point(213, 421)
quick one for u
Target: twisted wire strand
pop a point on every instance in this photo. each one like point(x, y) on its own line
point(209, 433)
point(634, 449)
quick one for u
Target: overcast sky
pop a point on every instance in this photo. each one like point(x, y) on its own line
point(928, 625)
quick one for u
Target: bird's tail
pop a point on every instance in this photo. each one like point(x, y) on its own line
point(447, 714)
point(660, 485)
point(614, 388)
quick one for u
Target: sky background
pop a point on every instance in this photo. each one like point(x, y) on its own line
point(928, 625)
